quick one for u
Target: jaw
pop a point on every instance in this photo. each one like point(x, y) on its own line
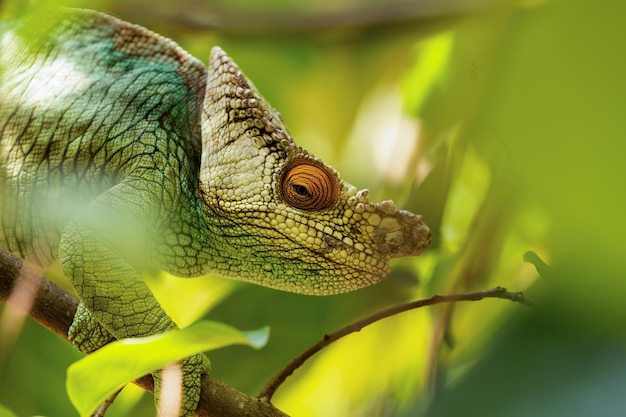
point(353, 257)
point(275, 261)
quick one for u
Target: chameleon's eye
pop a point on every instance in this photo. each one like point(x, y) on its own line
point(309, 186)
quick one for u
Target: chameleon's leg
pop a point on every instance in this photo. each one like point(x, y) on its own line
point(191, 382)
point(115, 296)
point(86, 333)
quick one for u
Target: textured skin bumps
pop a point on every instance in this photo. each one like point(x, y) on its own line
point(121, 153)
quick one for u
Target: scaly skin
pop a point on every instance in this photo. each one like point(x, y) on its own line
point(120, 152)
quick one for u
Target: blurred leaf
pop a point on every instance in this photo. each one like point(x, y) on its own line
point(392, 352)
point(553, 106)
point(110, 368)
point(542, 268)
point(427, 71)
point(542, 365)
point(4, 412)
point(465, 199)
point(188, 300)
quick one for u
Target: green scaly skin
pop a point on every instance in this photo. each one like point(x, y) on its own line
point(121, 153)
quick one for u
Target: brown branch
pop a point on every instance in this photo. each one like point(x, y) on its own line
point(101, 411)
point(497, 292)
point(54, 308)
point(276, 21)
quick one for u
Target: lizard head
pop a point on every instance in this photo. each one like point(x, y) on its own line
point(291, 222)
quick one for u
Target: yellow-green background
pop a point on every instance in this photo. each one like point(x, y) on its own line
point(502, 123)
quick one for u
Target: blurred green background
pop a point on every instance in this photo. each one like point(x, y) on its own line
point(500, 122)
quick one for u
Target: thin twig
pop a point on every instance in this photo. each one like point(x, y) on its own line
point(497, 292)
point(101, 411)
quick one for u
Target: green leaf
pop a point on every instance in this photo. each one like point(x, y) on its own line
point(5, 412)
point(94, 378)
point(542, 268)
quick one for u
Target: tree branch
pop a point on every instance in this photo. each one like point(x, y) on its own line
point(208, 17)
point(497, 292)
point(54, 308)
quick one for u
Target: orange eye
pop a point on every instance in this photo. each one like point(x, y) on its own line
point(309, 186)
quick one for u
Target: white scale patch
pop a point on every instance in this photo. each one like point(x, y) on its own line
point(46, 82)
point(52, 82)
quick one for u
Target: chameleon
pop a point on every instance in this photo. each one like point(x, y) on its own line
point(121, 153)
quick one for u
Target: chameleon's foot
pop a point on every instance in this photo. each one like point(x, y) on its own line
point(192, 369)
point(85, 333)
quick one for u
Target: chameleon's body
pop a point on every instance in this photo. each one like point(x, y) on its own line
point(120, 152)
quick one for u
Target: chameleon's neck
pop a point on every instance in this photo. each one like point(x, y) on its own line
point(210, 242)
point(197, 240)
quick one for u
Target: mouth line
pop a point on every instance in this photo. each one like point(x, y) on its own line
point(361, 258)
point(334, 244)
